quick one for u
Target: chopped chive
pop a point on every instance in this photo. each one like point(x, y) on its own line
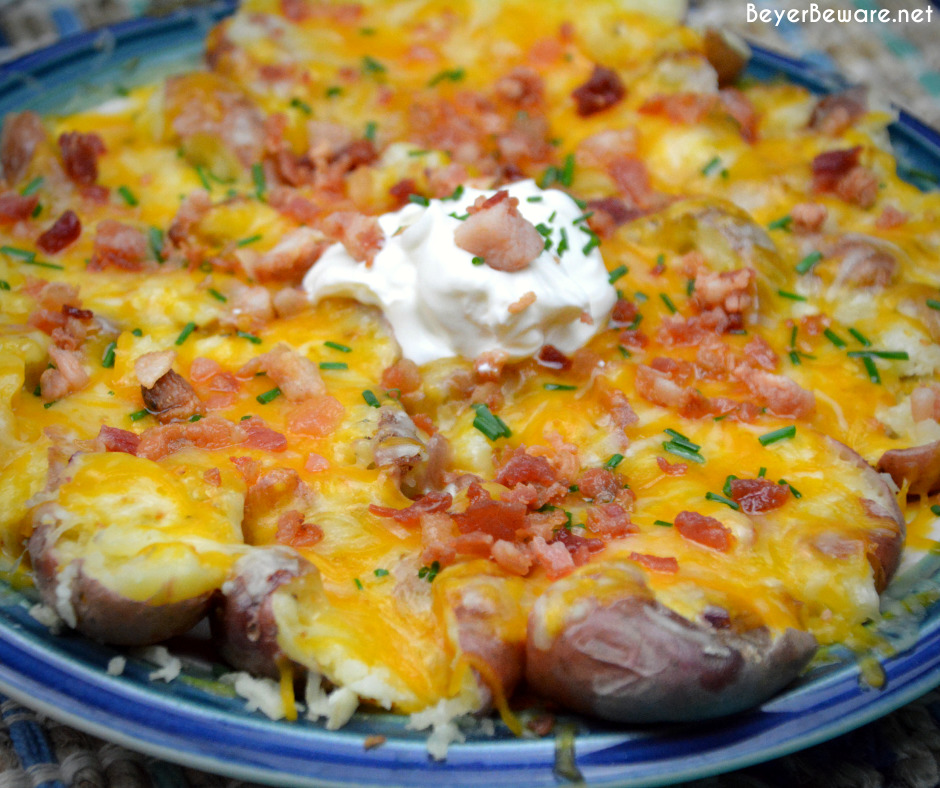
point(457, 193)
point(128, 196)
point(206, 267)
point(681, 450)
point(255, 340)
point(573, 488)
point(459, 217)
point(200, 171)
point(338, 346)
point(107, 360)
point(791, 296)
point(489, 423)
point(21, 254)
point(380, 572)
point(777, 435)
point(559, 387)
point(536, 198)
point(863, 340)
point(727, 488)
point(37, 210)
point(663, 523)
point(678, 437)
point(358, 583)
point(793, 491)
point(567, 171)
point(372, 66)
point(333, 365)
point(783, 223)
point(334, 90)
point(48, 405)
point(624, 352)
point(833, 337)
point(4, 284)
point(419, 199)
point(195, 417)
point(429, 572)
point(41, 264)
point(712, 166)
point(795, 358)
point(258, 178)
point(543, 229)
point(583, 217)
point(371, 128)
point(935, 509)
point(268, 396)
point(303, 106)
point(762, 472)
point(689, 287)
point(619, 272)
point(217, 295)
point(668, 302)
point(33, 186)
point(371, 399)
point(478, 261)
point(37, 392)
point(137, 332)
point(933, 303)
point(249, 240)
point(613, 461)
point(563, 243)
point(415, 153)
point(184, 334)
point(245, 417)
point(871, 369)
point(808, 262)
point(710, 496)
point(451, 75)
point(155, 241)
point(592, 244)
point(890, 355)
point(137, 415)
point(641, 298)
point(793, 333)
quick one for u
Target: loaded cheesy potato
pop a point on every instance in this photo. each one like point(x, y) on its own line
point(435, 351)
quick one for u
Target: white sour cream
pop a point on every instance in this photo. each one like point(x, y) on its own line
point(441, 305)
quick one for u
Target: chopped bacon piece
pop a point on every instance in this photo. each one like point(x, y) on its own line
point(523, 468)
point(735, 292)
point(302, 10)
point(499, 233)
point(633, 179)
point(193, 208)
point(623, 313)
point(891, 218)
point(66, 230)
point(497, 518)
point(16, 208)
point(438, 536)
point(859, 186)
point(739, 107)
point(402, 376)
point(656, 563)
point(114, 439)
point(212, 432)
point(835, 113)
point(808, 217)
point(511, 557)
point(580, 547)
point(293, 531)
point(555, 558)
point(150, 367)
point(603, 89)
point(656, 387)
point(289, 301)
point(316, 463)
point(80, 154)
point(68, 376)
point(782, 396)
point(832, 165)
point(677, 370)
point(757, 496)
point(610, 520)
point(609, 213)
point(551, 357)
point(277, 489)
point(212, 476)
point(476, 543)
point(758, 352)
point(261, 436)
point(247, 467)
point(523, 87)
point(249, 308)
point(603, 148)
point(289, 260)
point(685, 108)
point(171, 398)
point(203, 369)
point(600, 485)
point(706, 531)
point(295, 375)
point(118, 245)
point(22, 133)
point(316, 417)
point(361, 235)
point(431, 503)
point(672, 468)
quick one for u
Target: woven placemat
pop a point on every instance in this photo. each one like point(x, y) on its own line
point(900, 61)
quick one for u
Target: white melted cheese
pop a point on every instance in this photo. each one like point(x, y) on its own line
point(441, 305)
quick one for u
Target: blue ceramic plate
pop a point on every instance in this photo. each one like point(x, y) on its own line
point(189, 721)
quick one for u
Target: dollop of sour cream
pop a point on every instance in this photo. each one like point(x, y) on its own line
point(441, 304)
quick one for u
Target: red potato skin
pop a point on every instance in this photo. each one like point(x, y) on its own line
point(242, 619)
point(918, 465)
point(634, 660)
point(101, 613)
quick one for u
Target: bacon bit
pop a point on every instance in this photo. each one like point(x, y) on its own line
point(813, 325)
point(706, 531)
point(249, 308)
point(68, 376)
point(617, 406)
point(925, 402)
point(714, 359)
point(488, 366)
point(22, 133)
point(476, 543)
point(555, 558)
point(210, 433)
point(891, 218)
point(522, 87)
point(781, 395)
point(316, 463)
point(633, 179)
point(839, 171)
point(361, 235)
point(523, 468)
point(114, 439)
point(193, 208)
point(609, 213)
point(403, 375)
point(118, 245)
point(438, 534)
point(835, 113)
point(294, 205)
point(685, 108)
point(16, 208)
point(735, 292)
point(623, 313)
point(317, 417)
point(171, 398)
point(605, 147)
point(295, 375)
point(203, 369)
point(603, 89)
point(524, 302)
point(289, 301)
point(433, 502)
point(742, 111)
point(757, 496)
point(759, 352)
point(677, 370)
point(858, 186)
point(212, 476)
point(672, 468)
point(247, 467)
point(551, 357)
point(402, 190)
point(581, 548)
point(512, 557)
point(66, 230)
point(95, 193)
point(656, 387)
point(261, 436)
point(302, 10)
point(633, 338)
point(150, 367)
point(80, 154)
point(497, 518)
point(808, 217)
point(600, 485)
point(289, 260)
point(563, 456)
point(865, 263)
point(293, 531)
point(499, 233)
point(656, 563)
point(610, 520)
point(693, 330)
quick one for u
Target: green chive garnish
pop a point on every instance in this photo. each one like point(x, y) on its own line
point(871, 369)
point(419, 199)
point(257, 177)
point(791, 296)
point(808, 262)
point(380, 572)
point(689, 287)
point(21, 254)
point(334, 90)
point(217, 295)
point(451, 75)
point(617, 273)
point(137, 332)
point(372, 66)
point(255, 340)
point(129, 197)
point(358, 583)
point(338, 346)
point(795, 358)
point(184, 334)
point(777, 435)
point(890, 355)
point(333, 365)
point(457, 193)
point(371, 128)
point(249, 240)
point(713, 165)
point(833, 337)
point(683, 451)
point(137, 415)
point(33, 186)
point(793, 491)
point(489, 423)
point(195, 417)
point(863, 340)
point(4, 284)
point(726, 490)
point(268, 396)
point(935, 509)
point(710, 496)
point(155, 241)
point(762, 472)
point(107, 360)
point(478, 261)
point(663, 523)
point(783, 223)
point(303, 106)
point(559, 387)
point(933, 303)
point(613, 461)
point(371, 399)
point(204, 179)
point(681, 439)
point(592, 244)
point(536, 198)
point(668, 302)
